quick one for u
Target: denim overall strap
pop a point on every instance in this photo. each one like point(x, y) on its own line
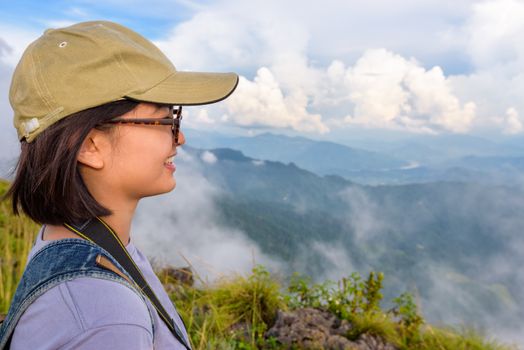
point(99, 232)
point(57, 262)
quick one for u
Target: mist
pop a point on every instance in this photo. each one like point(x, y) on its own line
point(453, 296)
point(183, 228)
point(472, 289)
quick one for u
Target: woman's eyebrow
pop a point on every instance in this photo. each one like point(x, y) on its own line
point(160, 107)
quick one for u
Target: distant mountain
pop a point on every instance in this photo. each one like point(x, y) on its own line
point(416, 159)
point(502, 163)
point(321, 157)
point(435, 149)
point(442, 240)
point(410, 148)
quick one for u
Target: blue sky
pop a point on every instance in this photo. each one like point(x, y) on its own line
point(152, 20)
point(322, 69)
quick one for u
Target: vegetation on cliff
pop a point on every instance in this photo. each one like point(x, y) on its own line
point(256, 311)
point(259, 312)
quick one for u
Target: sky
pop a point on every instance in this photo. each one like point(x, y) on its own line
point(320, 69)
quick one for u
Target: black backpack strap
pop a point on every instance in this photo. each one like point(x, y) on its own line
point(99, 232)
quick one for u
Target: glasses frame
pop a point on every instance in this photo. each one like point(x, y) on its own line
point(174, 119)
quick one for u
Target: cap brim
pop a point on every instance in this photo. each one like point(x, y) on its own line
point(190, 88)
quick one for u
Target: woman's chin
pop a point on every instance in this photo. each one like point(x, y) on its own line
point(166, 188)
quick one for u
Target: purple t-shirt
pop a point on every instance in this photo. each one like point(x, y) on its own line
point(90, 313)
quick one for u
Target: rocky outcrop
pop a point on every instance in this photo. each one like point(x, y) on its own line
point(181, 275)
point(372, 342)
point(310, 328)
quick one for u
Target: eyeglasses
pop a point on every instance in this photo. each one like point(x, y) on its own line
point(174, 119)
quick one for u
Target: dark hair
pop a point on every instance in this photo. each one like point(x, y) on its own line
point(48, 186)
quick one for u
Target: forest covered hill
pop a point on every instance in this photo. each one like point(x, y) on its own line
point(452, 244)
point(260, 311)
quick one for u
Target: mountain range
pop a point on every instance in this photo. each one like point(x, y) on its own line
point(416, 159)
point(451, 243)
point(440, 216)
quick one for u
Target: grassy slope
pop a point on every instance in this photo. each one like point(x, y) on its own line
point(235, 312)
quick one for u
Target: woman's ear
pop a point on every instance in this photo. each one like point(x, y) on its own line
point(92, 151)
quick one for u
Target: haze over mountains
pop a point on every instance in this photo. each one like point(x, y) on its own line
point(440, 216)
point(380, 161)
point(449, 231)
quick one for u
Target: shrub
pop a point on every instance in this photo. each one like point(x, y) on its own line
point(237, 309)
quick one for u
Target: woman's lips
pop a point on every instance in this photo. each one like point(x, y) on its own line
point(170, 166)
point(169, 163)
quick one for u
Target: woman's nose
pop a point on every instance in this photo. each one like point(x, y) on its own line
point(181, 138)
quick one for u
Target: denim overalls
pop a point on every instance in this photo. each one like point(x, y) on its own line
point(57, 262)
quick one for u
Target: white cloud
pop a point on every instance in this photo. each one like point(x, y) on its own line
point(364, 219)
point(512, 121)
point(208, 157)
point(78, 12)
point(59, 23)
point(9, 145)
point(262, 102)
point(5, 49)
point(17, 39)
point(198, 117)
point(236, 37)
point(320, 69)
point(210, 40)
point(339, 264)
point(390, 91)
point(492, 38)
point(259, 32)
point(495, 33)
point(289, 87)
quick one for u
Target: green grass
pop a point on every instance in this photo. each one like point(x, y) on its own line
point(236, 311)
point(450, 339)
point(378, 324)
point(233, 312)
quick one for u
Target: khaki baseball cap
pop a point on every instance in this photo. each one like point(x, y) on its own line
point(88, 64)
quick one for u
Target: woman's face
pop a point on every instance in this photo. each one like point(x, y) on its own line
point(140, 162)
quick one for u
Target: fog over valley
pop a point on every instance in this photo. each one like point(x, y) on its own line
point(455, 245)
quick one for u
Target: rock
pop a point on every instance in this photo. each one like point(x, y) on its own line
point(174, 279)
point(310, 328)
point(241, 331)
point(340, 343)
point(182, 275)
point(372, 342)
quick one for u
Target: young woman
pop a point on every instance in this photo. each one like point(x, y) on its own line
point(98, 111)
